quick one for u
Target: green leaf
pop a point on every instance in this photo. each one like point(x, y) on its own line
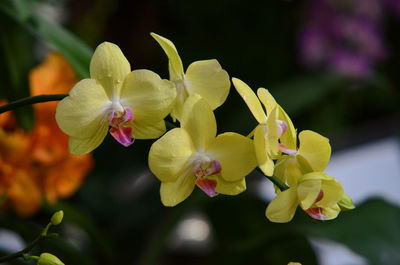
point(77, 53)
point(16, 61)
point(242, 228)
point(299, 93)
point(73, 215)
point(372, 230)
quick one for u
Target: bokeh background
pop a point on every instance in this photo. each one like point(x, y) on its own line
point(333, 65)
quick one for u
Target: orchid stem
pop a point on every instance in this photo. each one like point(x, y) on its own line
point(28, 248)
point(279, 183)
point(31, 100)
point(24, 251)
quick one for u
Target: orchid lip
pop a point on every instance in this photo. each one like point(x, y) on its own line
point(119, 130)
point(286, 150)
point(202, 171)
point(316, 213)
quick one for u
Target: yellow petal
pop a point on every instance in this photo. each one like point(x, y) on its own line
point(272, 135)
point(331, 212)
point(199, 121)
point(209, 80)
point(292, 172)
point(266, 99)
point(332, 189)
point(150, 97)
point(289, 137)
point(265, 163)
point(283, 207)
point(280, 167)
point(181, 96)
point(228, 187)
point(84, 111)
point(175, 63)
point(315, 148)
point(169, 155)
point(79, 146)
point(146, 131)
point(308, 191)
point(333, 192)
point(235, 154)
point(303, 164)
point(250, 99)
point(177, 191)
point(109, 67)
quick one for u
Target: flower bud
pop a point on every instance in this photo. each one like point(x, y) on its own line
point(346, 203)
point(49, 259)
point(57, 217)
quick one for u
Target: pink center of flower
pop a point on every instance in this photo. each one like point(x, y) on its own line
point(316, 212)
point(202, 171)
point(121, 132)
point(282, 127)
point(286, 150)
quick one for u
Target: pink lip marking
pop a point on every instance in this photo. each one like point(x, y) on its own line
point(207, 185)
point(282, 127)
point(316, 213)
point(121, 133)
point(286, 150)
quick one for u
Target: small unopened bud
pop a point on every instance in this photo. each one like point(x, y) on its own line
point(49, 259)
point(346, 203)
point(57, 217)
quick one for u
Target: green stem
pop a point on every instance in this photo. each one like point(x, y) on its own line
point(31, 100)
point(25, 250)
point(26, 257)
point(279, 183)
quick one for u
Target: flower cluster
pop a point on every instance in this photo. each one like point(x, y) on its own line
point(37, 164)
point(344, 36)
point(133, 104)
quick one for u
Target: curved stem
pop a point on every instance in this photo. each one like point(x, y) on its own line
point(25, 250)
point(279, 183)
point(31, 100)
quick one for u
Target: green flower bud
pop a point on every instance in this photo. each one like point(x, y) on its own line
point(346, 203)
point(57, 217)
point(49, 259)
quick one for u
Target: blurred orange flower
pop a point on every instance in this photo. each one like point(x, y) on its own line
point(37, 165)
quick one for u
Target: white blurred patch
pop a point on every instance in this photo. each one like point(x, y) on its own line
point(332, 253)
point(369, 170)
point(192, 235)
point(10, 241)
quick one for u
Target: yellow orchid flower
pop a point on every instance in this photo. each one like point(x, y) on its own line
point(205, 78)
point(134, 103)
point(313, 154)
point(273, 128)
point(317, 193)
point(194, 155)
